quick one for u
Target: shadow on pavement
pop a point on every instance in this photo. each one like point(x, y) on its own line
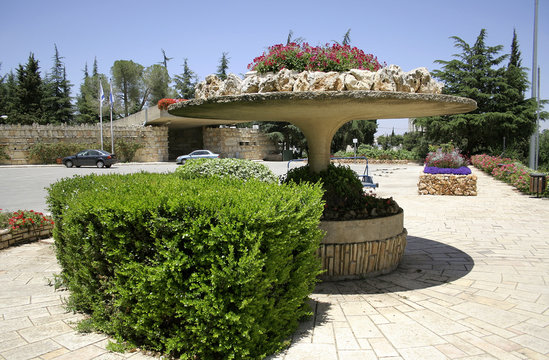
point(425, 263)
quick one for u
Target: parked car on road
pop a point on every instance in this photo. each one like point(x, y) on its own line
point(197, 154)
point(99, 158)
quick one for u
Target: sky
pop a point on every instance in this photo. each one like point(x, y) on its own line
point(407, 33)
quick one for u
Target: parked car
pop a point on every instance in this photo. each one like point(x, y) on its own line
point(197, 154)
point(99, 158)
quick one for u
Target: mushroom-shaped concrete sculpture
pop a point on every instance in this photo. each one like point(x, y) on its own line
point(319, 114)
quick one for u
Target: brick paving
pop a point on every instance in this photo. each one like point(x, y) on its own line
point(473, 284)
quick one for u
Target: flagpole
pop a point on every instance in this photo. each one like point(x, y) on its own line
point(101, 96)
point(111, 101)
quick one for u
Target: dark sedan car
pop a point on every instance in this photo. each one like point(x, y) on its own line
point(99, 158)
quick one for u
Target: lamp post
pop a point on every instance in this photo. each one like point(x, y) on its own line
point(534, 139)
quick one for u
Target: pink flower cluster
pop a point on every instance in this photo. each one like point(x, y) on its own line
point(442, 159)
point(302, 57)
point(504, 169)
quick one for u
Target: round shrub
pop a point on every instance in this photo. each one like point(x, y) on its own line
point(343, 193)
point(207, 268)
point(234, 168)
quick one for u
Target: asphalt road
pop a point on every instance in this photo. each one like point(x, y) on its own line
point(24, 187)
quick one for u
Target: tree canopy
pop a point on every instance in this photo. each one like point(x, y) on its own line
point(479, 72)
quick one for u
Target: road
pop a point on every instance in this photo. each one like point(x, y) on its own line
point(24, 187)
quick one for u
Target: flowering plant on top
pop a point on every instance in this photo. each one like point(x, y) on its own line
point(302, 57)
point(446, 161)
point(164, 103)
point(23, 219)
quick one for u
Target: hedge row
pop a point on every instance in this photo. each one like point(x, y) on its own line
point(201, 269)
point(47, 153)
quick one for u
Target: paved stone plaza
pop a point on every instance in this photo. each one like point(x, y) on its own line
point(473, 284)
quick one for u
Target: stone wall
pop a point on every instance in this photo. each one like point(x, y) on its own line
point(240, 143)
point(11, 237)
point(441, 184)
point(18, 139)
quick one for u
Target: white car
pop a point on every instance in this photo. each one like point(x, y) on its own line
point(197, 154)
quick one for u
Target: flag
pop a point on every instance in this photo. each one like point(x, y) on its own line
point(111, 96)
point(101, 93)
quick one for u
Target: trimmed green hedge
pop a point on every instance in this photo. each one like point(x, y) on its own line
point(202, 269)
point(236, 168)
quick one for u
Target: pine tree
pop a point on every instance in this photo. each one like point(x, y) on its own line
point(157, 81)
point(87, 102)
point(128, 82)
point(28, 94)
point(57, 102)
point(223, 66)
point(186, 82)
point(477, 73)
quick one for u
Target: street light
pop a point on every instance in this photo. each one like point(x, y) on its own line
point(4, 117)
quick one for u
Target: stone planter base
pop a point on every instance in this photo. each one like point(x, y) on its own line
point(444, 184)
point(9, 237)
point(362, 248)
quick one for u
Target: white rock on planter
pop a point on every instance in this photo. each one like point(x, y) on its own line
point(390, 78)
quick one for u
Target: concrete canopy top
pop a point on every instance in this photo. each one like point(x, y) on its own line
point(320, 114)
point(322, 105)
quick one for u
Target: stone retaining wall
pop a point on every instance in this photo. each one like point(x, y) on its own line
point(443, 184)
point(362, 248)
point(10, 237)
point(18, 139)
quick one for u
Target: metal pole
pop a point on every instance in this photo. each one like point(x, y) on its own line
point(533, 138)
point(537, 121)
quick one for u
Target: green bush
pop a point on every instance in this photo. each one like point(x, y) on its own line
point(379, 154)
point(235, 168)
point(47, 153)
point(201, 269)
point(125, 150)
point(343, 193)
point(3, 154)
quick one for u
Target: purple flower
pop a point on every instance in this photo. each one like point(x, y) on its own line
point(464, 170)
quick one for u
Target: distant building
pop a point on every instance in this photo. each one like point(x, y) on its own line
point(413, 128)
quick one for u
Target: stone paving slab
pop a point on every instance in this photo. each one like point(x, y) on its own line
point(473, 284)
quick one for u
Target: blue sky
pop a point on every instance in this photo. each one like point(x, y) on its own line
point(402, 32)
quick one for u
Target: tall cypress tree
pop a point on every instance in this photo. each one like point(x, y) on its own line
point(477, 73)
point(28, 93)
point(87, 102)
point(57, 102)
point(223, 66)
point(186, 82)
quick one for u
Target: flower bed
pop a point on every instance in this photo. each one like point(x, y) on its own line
point(445, 173)
point(505, 169)
point(23, 226)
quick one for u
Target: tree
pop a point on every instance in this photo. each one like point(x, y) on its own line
point(287, 135)
point(223, 66)
point(477, 73)
point(347, 38)
point(186, 82)
point(87, 102)
point(362, 130)
point(157, 82)
point(129, 84)
point(291, 38)
point(28, 94)
point(165, 59)
point(57, 102)
point(544, 150)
